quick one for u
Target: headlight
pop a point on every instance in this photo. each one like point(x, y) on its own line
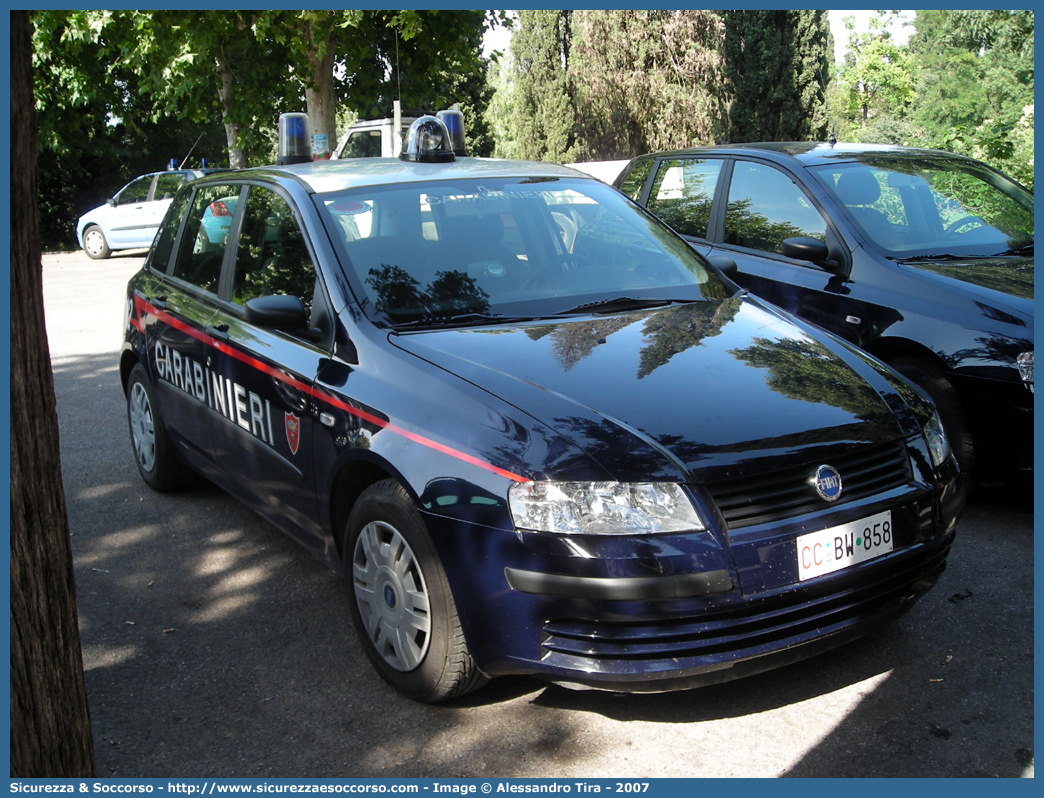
point(935, 437)
point(1025, 362)
point(602, 508)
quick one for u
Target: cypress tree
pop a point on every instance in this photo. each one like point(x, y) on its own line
point(776, 68)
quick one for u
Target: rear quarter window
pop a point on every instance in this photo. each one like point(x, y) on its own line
point(634, 182)
point(168, 232)
point(199, 259)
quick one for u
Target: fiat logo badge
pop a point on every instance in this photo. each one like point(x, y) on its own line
point(827, 482)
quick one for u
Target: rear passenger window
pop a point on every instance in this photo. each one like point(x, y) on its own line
point(272, 257)
point(168, 231)
point(682, 194)
point(766, 207)
point(202, 245)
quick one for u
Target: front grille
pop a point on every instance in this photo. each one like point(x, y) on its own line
point(756, 627)
point(787, 492)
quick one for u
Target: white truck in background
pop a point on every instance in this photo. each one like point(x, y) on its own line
point(375, 138)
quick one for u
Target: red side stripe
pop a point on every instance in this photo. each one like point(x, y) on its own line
point(143, 306)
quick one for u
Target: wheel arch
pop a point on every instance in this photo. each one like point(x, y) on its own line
point(128, 360)
point(353, 477)
point(888, 349)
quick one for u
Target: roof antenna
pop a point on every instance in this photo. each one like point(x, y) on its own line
point(185, 159)
point(717, 132)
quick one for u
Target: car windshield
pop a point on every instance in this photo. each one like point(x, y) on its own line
point(933, 208)
point(465, 250)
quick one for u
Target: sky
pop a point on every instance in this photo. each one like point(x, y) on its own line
point(499, 38)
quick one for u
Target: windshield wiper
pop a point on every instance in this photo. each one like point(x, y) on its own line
point(940, 256)
point(1025, 249)
point(617, 304)
point(455, 320)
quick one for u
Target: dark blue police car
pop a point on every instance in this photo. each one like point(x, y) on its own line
point(535, 431)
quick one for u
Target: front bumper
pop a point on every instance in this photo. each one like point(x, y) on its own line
point(717, 646)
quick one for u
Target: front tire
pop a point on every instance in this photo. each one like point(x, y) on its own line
point(94, 243)
point(400, 599)
point(157, 461)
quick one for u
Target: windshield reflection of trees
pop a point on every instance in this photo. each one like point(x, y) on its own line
point(399, 294)
point(619, 451)
point(667, 332)
point(1006, 277)
point(802, 369)
point(674, 330)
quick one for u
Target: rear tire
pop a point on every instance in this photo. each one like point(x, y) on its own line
point(400, 599)
point(94, 243)
point(158, 462)
point(933, 380)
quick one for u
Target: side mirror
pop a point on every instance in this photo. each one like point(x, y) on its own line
point(725, 265)
point(111, 202)
point(806, 248)
point(278, 312)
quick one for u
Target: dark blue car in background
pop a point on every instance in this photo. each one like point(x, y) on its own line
point(922, 258)
point(534, 430)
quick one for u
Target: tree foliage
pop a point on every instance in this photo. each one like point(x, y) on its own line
point(877, 74)
point(658, 86)
point(534, 115)
point(120, 93)
point(613, 84)
point(776, 66)
point(963, 83)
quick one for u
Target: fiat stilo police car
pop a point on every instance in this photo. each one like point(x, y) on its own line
point(534, 430)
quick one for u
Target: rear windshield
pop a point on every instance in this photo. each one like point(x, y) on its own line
point(922, 208)
point(533, 247)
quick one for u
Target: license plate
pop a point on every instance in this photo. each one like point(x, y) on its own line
point(830, 550)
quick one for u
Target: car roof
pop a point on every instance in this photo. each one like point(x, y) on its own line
point(813, 153)
point(337, 175)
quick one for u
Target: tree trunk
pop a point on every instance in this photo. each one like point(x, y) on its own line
point(50, 723)
point(320, 102)
point(227, 95)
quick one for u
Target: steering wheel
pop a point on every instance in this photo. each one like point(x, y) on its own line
point(557, 266)
point(951, 229)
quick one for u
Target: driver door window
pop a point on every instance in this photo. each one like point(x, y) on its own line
point(272, 257)
point(765, 207)
point(136, 192)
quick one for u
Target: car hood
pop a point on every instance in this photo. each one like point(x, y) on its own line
point(91, 216)
point(1007, 281)
point(698, 391)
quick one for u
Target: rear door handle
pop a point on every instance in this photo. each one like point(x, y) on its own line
point(159, 301)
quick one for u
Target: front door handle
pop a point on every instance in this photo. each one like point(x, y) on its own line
point(219, 331)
